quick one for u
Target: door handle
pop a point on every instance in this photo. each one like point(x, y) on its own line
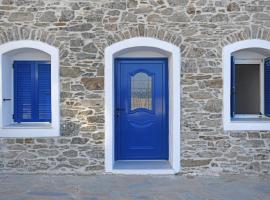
point(6, 99)
point(118, 110)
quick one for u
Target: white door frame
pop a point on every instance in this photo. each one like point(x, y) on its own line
point(173, 54)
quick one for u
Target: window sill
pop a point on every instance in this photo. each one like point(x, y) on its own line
point(250, 118)
point(247, 124)
point(29, 126)
point(30, 130)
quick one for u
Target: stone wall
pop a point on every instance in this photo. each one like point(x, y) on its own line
point(81, 29)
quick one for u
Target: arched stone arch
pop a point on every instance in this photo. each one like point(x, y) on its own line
point(141, 30)
point(173, 53)
point(247, 33)
point(17, 33)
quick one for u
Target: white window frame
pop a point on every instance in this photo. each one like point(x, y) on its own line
point(259, 62)
point(173, 53)
point(228, 123)
point(35, 129)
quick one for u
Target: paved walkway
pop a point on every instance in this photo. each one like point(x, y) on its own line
point(116, 187)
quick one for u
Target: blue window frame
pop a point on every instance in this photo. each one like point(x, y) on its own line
point(32, 91)
point(267, 87)
point(233, 87)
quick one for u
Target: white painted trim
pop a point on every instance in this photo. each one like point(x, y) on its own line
point(143, 171)
point(248, 61)
point(226, 57)
point(55, 88)
point(173, 53)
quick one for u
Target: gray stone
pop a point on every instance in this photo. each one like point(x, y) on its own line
point(132, 3)
point(233, 6)
point(15, 164)
point(195, 163)
point(253, 135)
point(155, 18)
point(78, 140)
point(21, 17)
point(96, 119)
point(254, 143)
point(48, 16)
point(70, 153)
point(179, 17)
point(27, 155)
point(217, 83)
point(90, 48)
point(17, 147)
point(261, 16)
point(261, 157)
point(67, 15)
point(80, 27)
point(68, 113)
point(94, 18)
point(98, 136)
point(7, 2)
point(238, 134)
point(220, 17)
point(72, 72)
point(196, 52)
point(200, 95)
point(70, 128)
point(209, 154)
point(242, 18)
point(79, 162)
point(244, 158)
point(77, 88)
point(115, 5)
point(94, 167)
point(76, 43)
point(47, 152)
point(8, 155)
point(174, 3)
point(213, 105)
point(96, 83)
point(129, 17)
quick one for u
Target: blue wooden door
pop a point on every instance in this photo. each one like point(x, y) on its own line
point(141, 109)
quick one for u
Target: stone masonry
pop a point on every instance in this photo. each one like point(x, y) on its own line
point(82, 29)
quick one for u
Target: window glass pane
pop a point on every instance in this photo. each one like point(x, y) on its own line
point(141, 91)
point(247, 89)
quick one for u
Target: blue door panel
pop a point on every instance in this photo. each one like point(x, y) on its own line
point(141, 109)
point(32, 91)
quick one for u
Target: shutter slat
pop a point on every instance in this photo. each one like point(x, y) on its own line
point(23, 91)
point(267, 87)
point(44, 92)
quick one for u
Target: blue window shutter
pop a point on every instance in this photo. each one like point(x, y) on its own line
point(23, 91)
point(44, 92)
point(233, 87)
point(32, 91)
point(267, 86)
